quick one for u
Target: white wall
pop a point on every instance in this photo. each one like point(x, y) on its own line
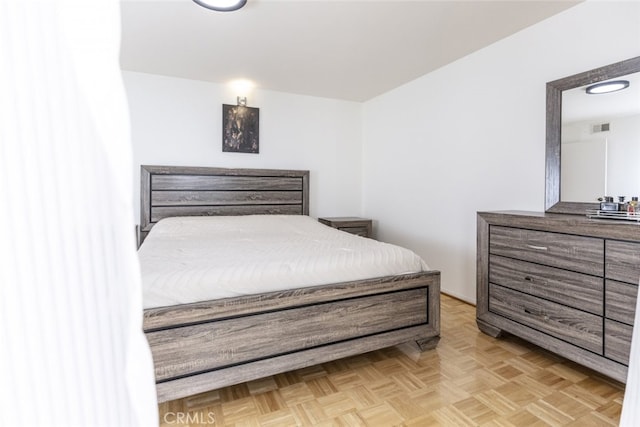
point(471, 135)
point(179, 122)
point(420, 160)
point(602, 163)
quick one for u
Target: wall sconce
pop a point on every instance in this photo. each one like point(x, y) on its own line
point(222, 5)
point(242, 101)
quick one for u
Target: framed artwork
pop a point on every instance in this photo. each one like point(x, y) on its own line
point(240, 129)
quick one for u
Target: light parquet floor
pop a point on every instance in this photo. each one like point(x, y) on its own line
point(469, 379)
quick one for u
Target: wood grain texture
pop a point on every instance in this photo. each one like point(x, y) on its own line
point(587, 358)
point(270, 334)
point(160, 212)
point(575, 290)
point(300, 356)
point(188, 386)
point(358, 231)
point(553, 201)
point(168, 191)
point(566, 251)
point(617, 298)
point(566, 323)
point(196, 182)
point(428, 343)
point(222, 198)
point(620, 301)
point(552, 147)
point(488, 328)
point(211, 344)
point(617, 341)
point(145, 202)
point(482, 266)
point(354, 225)
point(187, 314)
point(470, 380)
point(622, 262)
point(578, 225)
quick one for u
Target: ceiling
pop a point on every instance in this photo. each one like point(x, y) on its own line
point(351, 50)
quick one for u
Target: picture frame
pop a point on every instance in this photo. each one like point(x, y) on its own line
point(240, 129)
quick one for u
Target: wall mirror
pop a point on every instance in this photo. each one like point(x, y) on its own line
point(593, 140)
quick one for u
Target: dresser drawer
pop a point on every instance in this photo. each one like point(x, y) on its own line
point(622, 261)
point(574, 326)
point(566, 287)
point(618, 341)
point(576, 253)
point(620, 301)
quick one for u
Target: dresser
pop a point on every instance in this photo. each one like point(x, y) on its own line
point(563, 282)
point(351, 224)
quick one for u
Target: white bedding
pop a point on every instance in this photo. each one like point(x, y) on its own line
point(190, 259)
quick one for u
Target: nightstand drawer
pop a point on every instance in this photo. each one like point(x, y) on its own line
point(565, 287)
point(575, 326)
point(350, 224)
point(360, 231)
point(575, 253)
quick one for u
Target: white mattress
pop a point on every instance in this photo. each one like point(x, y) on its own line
point(191, 259)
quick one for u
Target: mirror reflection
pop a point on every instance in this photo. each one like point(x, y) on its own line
point(600, 143)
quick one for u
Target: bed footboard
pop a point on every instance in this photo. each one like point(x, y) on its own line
point(205, 346)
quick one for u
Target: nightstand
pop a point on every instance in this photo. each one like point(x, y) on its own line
point(351, 224)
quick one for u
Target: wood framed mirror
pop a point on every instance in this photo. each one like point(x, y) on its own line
point(554, 201)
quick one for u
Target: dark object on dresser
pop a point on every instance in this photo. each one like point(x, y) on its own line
point(564, 282)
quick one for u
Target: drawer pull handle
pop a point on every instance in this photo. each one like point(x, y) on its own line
point(535, 281)
point(545, 317)
point(538, 248)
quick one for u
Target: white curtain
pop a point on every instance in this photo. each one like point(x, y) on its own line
point(72, 351)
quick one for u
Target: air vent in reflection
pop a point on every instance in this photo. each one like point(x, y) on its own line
point(602, 127)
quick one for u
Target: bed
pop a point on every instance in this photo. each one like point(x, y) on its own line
point(211, 341)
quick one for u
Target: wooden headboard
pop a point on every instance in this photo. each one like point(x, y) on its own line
point(167, 191)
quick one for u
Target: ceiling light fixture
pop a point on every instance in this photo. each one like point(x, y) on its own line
point(222, 5)
point(607, 87)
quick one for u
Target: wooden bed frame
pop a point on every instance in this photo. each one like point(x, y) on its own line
point(208, 345)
